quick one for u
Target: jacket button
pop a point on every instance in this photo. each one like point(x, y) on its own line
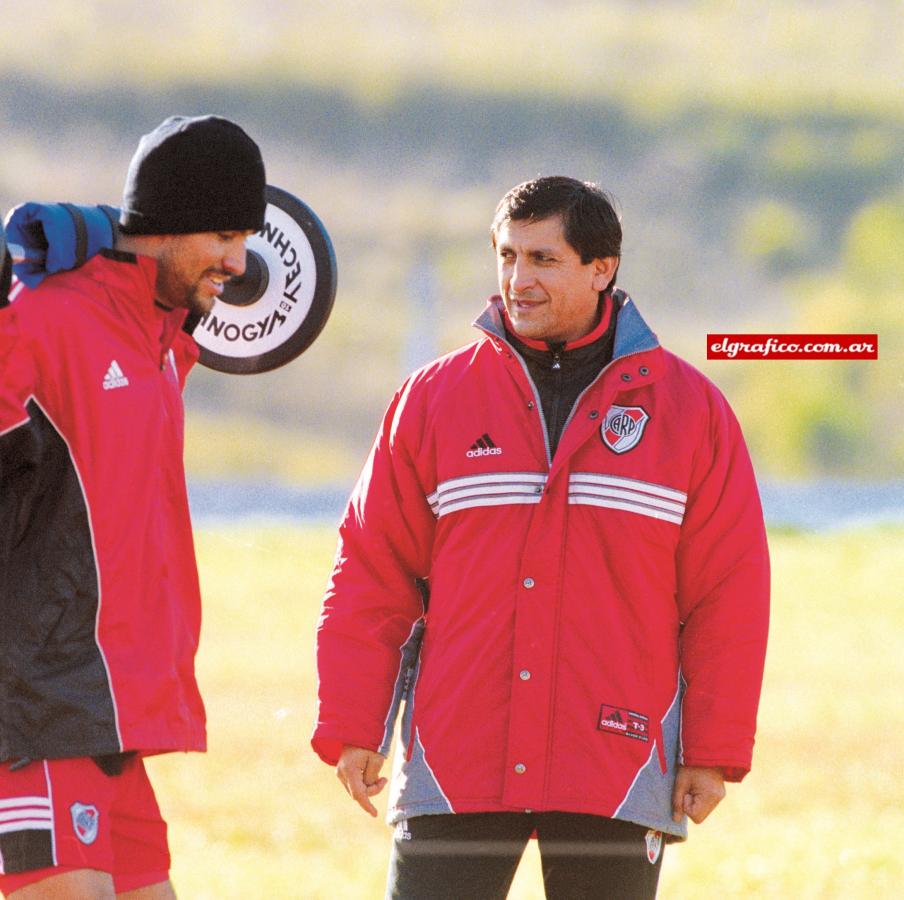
point(625, 376)
point(520, 768)
point(594, 413)
point(528, 583)
point(538, 489)
point(530, 404)
point(644, 370)
point(524, 675)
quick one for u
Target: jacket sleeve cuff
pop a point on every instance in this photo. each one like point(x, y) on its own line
point(731, 771)
point(328, 745)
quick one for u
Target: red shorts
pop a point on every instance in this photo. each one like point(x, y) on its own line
point(60, 815)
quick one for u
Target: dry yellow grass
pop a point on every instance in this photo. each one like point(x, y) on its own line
point(821, 815)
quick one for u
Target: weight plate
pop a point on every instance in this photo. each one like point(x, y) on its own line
point(276, 310)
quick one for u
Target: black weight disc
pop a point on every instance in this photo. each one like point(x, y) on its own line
point(249, 287)
point(277, 309)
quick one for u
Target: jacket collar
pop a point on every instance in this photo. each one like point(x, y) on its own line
point(136, 274)
point(632, 334)
point(132, 280)
point(131, 283)
point(594, 335)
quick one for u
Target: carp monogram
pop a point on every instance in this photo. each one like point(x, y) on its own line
point(623, 427)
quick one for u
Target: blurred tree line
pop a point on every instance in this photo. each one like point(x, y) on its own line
point(754, 149)
point(838, 417)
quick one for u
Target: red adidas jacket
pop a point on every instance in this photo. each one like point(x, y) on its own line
point(99, 595)
point(593, 620)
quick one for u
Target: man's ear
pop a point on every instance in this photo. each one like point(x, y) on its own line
point(603, 270)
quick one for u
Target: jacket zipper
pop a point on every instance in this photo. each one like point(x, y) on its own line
point(539, 407)
point(555, 412)
point(595, 380)
point(557, 364)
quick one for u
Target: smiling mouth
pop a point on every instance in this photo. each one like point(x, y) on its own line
point(525, 303)
point(217, 280)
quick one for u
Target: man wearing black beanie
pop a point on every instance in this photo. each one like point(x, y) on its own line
point(194, 191)
point(99, 594)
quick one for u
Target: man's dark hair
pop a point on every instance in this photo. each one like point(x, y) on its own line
point(590, 222)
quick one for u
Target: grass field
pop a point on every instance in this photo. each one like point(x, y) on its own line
point(821, 815)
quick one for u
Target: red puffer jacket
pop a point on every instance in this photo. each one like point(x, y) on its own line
point(99, 594)
point(593, 621)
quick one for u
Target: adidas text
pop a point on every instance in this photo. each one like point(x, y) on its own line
point(612, 723)
point(484, 451)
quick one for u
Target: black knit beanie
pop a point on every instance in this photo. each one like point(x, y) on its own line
point(194, 174)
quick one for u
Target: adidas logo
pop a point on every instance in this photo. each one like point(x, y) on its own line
point(614, 720)
point(114, 377)
point(483, 446)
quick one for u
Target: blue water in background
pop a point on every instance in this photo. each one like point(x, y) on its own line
point(829, 505)
point(817, 505)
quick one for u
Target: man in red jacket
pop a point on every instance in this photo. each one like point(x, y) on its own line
point(99, 594)
point(555, 556)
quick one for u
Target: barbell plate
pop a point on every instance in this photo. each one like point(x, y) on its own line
point(276, 311)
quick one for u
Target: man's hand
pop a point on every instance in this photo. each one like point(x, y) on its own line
point(698, 791)
point(359, 771)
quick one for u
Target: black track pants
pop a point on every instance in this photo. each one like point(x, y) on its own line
point(473, 856)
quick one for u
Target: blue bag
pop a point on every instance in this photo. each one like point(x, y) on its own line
point(58, 236)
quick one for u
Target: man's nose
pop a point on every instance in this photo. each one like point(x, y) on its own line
point(234, 259)
point(522, 276)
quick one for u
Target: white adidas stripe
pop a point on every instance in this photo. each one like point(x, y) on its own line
point(15, 290)
point(27, 825)
point(650, 511)
point(31, 812)
point(584, 488)
point(25, 801)
point(617, 494)
point(634, 484)
point(631, 495)
point(447, 496)
point(25, 814)
point(490, 478)
point(493, 489)
point(498, 500)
